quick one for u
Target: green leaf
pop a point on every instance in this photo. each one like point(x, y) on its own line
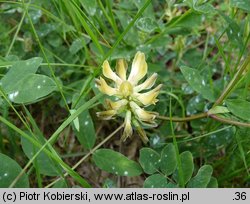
point(189, 20)
point(89, 6)
point(213, 183)
point(46, 165)
point(156, 181)
point(242, 4)
point(200, 6)
point(146, 24)
point(197, 82)
point(77, 45)
point(240, 134)
point(234, 32)
point(76, 120)
point(187, 166)
point(116, 163)
point(149, 11)
point(18, 72)
point(61, 184)
point(83, 125)
point(86, 133)
point(168, 160)
point(218, 109)
point(239, 107)
point(202, 179)
point(31, 88)
point(9, 170)
point(109, 183)
point(149, 160)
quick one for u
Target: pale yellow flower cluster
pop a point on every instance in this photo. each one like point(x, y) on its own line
point(128, 93)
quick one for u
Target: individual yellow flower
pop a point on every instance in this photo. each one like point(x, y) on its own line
point(128, 92)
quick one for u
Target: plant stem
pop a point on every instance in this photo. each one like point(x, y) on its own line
point(203, 115)
point(232, 83)
point(179, 164)
point(228, 121)
point(189, 118)
point(15, 36)
point(44, 54)
point(88, 154)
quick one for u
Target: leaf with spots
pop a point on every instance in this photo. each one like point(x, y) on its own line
point(18, 72)
point(168, 160)
point(31, 88)
point(234, 31)
point(9, 170)
point(198, 82)
point(156, 181)
point(149, 160)
point(116, 163)
point(146, 24)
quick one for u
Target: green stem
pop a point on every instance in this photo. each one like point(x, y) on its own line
point(57, 159)
point(15, 36)
point(228, 121)
point(88, 154)
point(203, 115)
point(44, 54)
point(54, 137)
point(119, 39)
point(180, 170)
point(178, 119)
point(108, 18)
point(232, 83)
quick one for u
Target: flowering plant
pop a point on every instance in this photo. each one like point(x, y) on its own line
point(129, 96)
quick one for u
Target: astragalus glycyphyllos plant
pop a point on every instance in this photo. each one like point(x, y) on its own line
point(129, 98)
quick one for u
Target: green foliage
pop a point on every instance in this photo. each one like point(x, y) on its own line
point(202, 179)
point(86, 133)
point(168, 159)
point(164, 171)
point(27, 86)
point(200, 6)
point(60, 184)
point(239, 108)
point(198, 82)
point(89, 6)
point(241, 4)
point(149, 160)
point(19, 72)
point(9, 170)
point(187, 166)
point(146, 24)
point(52, 51)
point(31, 88)
point(84, 127)
point(156, 181)
point(44, 163)
point(116, 163)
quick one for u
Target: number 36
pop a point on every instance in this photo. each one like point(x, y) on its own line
point(240, 196)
